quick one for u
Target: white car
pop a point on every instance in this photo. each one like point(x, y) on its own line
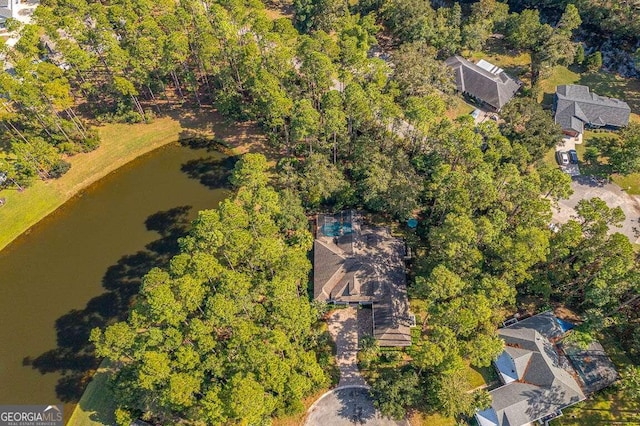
point(562, 158)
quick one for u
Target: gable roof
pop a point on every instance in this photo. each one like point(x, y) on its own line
point(538, 380)
point(483, 81)
point(576, 106)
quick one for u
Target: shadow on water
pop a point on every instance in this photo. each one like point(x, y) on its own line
point(74, 357)
point(209, 171)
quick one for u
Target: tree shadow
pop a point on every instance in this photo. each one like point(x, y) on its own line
point(74, 356)
point(212, 172)
point(356, 405)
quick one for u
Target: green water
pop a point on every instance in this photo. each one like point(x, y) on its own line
point(78, 268)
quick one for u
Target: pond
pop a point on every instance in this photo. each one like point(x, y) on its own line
point(79, 268)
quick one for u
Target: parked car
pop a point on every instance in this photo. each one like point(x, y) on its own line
point(562, 158)
point(475, 113)
point(573, 156)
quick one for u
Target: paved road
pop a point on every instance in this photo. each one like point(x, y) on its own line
point(343, 327)
point(348, 407)
point(585, 187)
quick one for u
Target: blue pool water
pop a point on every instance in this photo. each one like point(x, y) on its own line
point(336, 229)
point(564, 325)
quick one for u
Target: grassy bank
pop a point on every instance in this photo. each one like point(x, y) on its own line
point(121, 143)
point(96, 405)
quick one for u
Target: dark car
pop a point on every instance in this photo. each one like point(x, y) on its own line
point(573, 156)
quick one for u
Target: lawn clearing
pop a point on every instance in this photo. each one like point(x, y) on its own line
point(459, 108)
point(96, 405)
point(629, 183)
point(514, 63)
point(559, 75)
point(421, 419)
point(121, 143)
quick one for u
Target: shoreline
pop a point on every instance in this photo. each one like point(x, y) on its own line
point(120, 145)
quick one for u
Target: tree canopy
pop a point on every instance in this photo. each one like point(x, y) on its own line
point(224, 333)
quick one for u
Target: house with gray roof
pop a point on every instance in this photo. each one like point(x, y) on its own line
point(539, 376)
point(362, 264)
point(483, 81)
point(576, 106)
point(8, 8)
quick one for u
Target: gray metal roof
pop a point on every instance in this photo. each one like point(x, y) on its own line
point(495, 89)
point(576, 105)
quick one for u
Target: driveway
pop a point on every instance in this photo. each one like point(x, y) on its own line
point(343, 327)
point(585, 187)
point(350, 403)
point(568, 143)
point(347, 407)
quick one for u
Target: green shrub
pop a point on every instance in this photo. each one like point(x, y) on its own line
point(594, 61)
point(59, 168)
point(91, 141)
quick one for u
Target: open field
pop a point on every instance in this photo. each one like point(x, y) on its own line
point(608, 406)
point(121, 143)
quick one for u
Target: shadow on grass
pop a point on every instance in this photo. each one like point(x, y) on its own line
point(488, 374)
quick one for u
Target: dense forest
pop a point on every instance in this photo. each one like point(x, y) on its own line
point(227, 332)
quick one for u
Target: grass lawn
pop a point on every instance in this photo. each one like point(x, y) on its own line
point(606, 407)
point(421, 419)
point(559, 75)
point(121, 143)
point(515, 64)
point(460, 107)
point(96, 405)
point(630, 183)
point(481, 376)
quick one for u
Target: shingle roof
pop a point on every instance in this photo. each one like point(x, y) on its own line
point(494, 88)
point(328, 262)
point(576, 106)
point(352, 266)
point(540, 381)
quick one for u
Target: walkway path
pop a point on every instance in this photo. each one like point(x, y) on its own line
point(343, 327)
